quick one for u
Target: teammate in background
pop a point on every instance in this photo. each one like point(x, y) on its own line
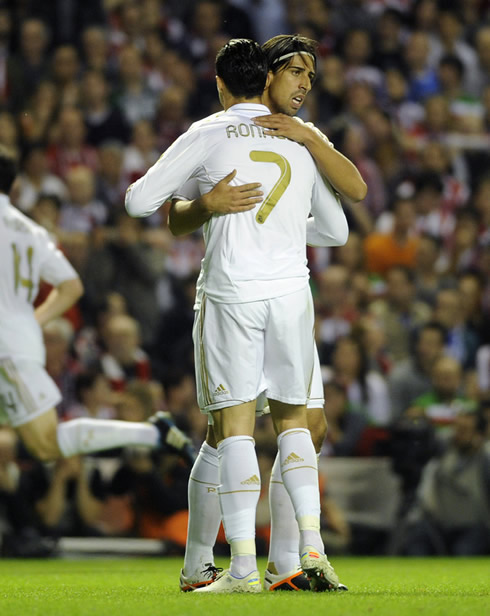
point(28, 395)
point(285, 94)
point(254, 303)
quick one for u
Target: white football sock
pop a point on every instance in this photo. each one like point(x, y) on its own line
point(299, 469)
point(284, 540)
point(239, 492)
point(204, 511)
point(87, 435)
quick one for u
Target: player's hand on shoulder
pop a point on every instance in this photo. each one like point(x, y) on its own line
point(226, 198)
point(282, 125)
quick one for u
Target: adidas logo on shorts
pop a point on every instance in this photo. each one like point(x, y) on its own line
point(221, 390)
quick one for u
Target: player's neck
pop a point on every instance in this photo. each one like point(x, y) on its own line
point(236, 100)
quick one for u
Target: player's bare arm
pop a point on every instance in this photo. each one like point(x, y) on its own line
point(341, 173)
point(187, 216)
point(59, 300)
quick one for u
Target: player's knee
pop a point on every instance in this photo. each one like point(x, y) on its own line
point(317, 424)
point(43, 446)
point(46, 451)
point(318, 439)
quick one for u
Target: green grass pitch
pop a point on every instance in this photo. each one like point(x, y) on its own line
point(149, 587)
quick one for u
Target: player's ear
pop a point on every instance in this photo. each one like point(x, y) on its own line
point(268, 80)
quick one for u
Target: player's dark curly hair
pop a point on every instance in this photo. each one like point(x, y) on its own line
point(8, 169)
point(284, 44)
point(242, 65)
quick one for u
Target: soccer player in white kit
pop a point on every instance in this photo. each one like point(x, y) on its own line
point(28, 395)
point(291, 60)
point(254, 328)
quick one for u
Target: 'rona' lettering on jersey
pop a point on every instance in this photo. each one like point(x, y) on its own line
point(248, 130)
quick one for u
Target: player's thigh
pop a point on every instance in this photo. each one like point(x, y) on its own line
point(40, 435)
point(289, 348)
point(234, 421)
point(317, 425)
point(288, 416)
point(229, 353)
point(26, 391)
point(317, 422)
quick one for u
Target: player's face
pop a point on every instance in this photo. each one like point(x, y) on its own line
point(290, 85)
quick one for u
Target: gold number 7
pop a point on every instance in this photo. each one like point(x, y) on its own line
point(279, 187)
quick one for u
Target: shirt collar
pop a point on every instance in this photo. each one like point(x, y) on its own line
point(249, 107)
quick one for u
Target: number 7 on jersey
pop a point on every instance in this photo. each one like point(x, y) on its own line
point(279, 187)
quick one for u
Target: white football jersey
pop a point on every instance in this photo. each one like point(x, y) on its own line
point(261, 253)
point(27, 256)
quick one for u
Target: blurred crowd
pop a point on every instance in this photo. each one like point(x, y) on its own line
point(91, 93)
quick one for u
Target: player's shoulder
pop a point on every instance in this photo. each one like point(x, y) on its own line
point(208, 121)
point(316, 129)
point(17, 222)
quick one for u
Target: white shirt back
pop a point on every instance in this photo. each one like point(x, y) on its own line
point(27, 255)
point(257, 254)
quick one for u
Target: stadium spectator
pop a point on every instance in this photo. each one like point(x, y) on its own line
point(61, 366)
point(398, 247)
point(365, 388)
point(133, 94)
point(82, 211)
point(334, 309)
point(428, 277)
point(67, 497)
point(93, 397)
point(32, 56)
point(36, 179)
point(423, 80)
point(38, 113)
point(70, 148)
point(104, 122)
point(461, 341)
point(446, 398)
point(111, 180)
point(129, 265)
point(65, 74)
point(156, 491)
point(346, 422)
point(411, 377)
point(399, 312)
point(141, 153)
point(452, 510)
point(124, 359)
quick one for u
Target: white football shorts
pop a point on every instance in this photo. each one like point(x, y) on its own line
point(26, 391)
point(244, 350)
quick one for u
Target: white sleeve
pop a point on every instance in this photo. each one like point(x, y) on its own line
point(55, 267)
point(189, 191)
point(328, 227)
point(176, 165)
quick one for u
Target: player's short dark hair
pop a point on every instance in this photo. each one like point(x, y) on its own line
point(278, 48)
point(242, 65)
point(8, 169)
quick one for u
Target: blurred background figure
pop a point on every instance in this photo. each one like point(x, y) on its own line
point(452, 511)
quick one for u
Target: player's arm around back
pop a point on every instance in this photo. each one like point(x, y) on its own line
point(328, 226)
point(342, 174)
